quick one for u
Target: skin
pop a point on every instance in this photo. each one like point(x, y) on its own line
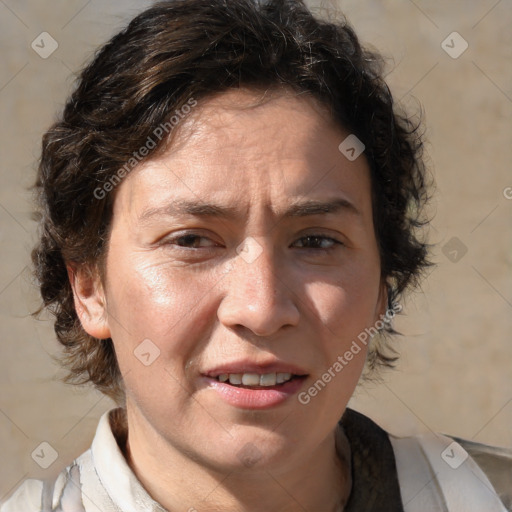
point(301, 301)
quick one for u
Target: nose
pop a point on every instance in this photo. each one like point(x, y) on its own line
point(258, 295)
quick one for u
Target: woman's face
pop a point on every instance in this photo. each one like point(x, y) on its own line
point(247, 248)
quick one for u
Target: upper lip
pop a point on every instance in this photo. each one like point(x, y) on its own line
point(246, 366)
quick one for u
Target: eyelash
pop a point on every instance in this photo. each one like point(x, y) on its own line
point(317, 237)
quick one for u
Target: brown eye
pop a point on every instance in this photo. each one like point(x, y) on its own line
point(191, 241)
point(318, 242)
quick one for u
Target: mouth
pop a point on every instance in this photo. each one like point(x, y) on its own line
point(254, 389)
point(258, 381)
point(247, 384)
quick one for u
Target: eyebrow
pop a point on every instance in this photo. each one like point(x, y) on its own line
point(301, 208)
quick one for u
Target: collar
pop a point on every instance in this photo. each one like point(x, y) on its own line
point(111, 467)
point(375, 484)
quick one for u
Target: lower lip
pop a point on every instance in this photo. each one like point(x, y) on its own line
point(247, 398)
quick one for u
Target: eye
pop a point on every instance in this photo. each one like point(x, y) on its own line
point(191, 241)
point(321, 242)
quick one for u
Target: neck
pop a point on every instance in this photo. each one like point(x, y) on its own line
point(321, 481)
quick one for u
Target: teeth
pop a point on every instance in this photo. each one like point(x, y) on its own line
point(283, 377)
point(268, 379)
point(254, 379)
point(235, 378)
point(250, 379)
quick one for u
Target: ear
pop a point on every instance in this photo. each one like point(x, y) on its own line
point(89, 298)
point(382, 300)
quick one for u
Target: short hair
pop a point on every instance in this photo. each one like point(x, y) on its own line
point(183, 50)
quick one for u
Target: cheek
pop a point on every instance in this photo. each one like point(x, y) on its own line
point(341, 319)
point(343, 311)
point(159, 303)
point(345, 307)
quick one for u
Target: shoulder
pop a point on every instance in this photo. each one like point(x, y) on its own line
point(495, 462)
point(69, 490)
point(453, 472)
point(99, 479)
point(27, 497)
point(432, 471)
point(62, 492)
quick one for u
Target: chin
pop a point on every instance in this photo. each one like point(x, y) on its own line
point(252, 452)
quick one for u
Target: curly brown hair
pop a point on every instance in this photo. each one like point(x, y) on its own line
point(182, 49)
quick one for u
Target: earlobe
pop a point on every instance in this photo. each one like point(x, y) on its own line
point(384, 298)
point(89, 299)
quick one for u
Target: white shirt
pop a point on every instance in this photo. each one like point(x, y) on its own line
point(435, 474)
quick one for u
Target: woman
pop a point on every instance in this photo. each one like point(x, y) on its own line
point(230, 208)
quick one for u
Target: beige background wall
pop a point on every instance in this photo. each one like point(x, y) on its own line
point(456, 370)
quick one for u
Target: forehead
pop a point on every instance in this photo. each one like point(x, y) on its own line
point(239, 146)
